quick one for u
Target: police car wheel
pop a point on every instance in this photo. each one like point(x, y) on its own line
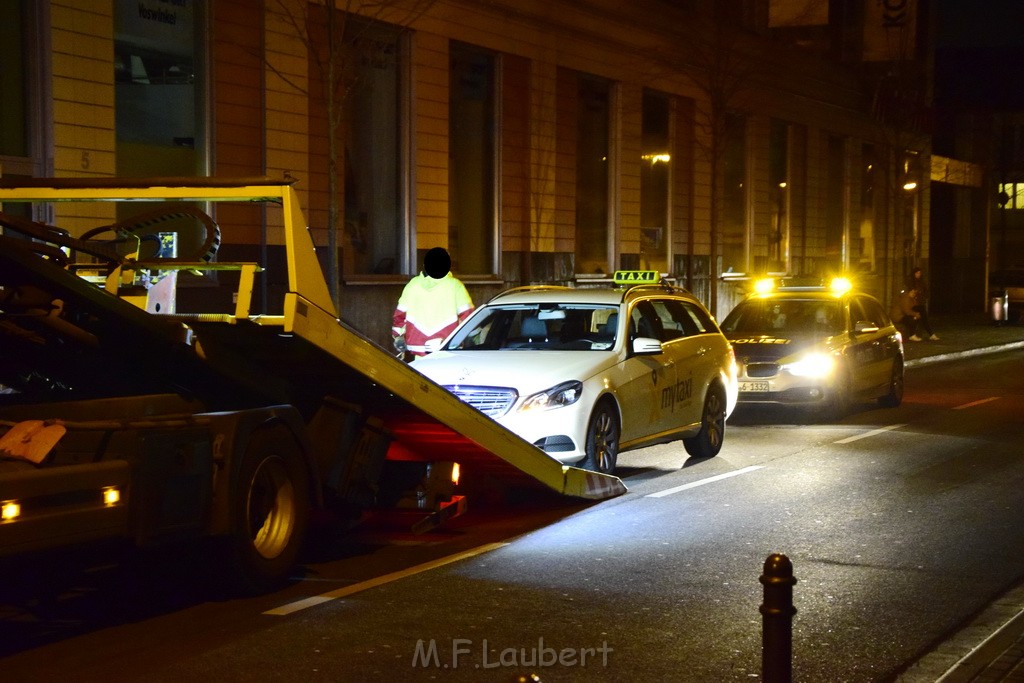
point(894, 396)
point(839, 403)
point(602, 438)
point(708, 441)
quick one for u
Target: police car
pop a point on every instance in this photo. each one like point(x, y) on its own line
point(815, 346)
point(587, 373)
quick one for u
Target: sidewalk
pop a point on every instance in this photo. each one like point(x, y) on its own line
point(962, 336)
point(991, 648)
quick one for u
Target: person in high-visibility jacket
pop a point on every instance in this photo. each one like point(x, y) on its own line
point(432, 304)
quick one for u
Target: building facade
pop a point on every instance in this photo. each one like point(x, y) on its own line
point(538, 141)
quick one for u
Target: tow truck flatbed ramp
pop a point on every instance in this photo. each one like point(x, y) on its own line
point(101, 344)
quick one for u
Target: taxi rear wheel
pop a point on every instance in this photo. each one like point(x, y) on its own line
point(602, 438)
point(894, 396)
point(708, 441)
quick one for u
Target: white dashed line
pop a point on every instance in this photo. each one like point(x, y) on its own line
point(305, 603)
point(701, 482)
point(873, 432)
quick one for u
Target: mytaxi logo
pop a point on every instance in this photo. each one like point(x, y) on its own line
point(761, 340)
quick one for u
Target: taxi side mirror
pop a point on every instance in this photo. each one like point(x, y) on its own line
point(646, 346)
point(432, 345)
point(864, 327)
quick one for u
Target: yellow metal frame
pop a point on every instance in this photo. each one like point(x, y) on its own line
point(310, 313)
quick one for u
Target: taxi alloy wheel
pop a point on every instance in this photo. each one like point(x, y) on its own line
point(708, 441)
point(602, 439)
point(894, 396)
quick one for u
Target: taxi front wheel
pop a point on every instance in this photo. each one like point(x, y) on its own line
point(602, 439)
point(708, 441)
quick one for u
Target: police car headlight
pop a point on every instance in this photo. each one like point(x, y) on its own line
point(814, 365)
point(558, 396)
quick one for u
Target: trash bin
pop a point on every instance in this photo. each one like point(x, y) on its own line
point(1000, 308)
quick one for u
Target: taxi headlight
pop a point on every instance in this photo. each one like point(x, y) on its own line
point(813, 365)
point(558, 396)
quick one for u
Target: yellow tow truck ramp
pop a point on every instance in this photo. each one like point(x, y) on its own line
point(118, 312)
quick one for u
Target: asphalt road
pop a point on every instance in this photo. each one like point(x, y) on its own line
point(900, 523)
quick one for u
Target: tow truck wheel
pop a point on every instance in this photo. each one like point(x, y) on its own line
point(270, 510)
point(708, 441)
point(602, 439)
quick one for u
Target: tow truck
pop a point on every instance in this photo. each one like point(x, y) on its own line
point(127, 414)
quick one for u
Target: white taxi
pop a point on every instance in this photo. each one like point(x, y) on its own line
point(815, 346)
point(587, 373)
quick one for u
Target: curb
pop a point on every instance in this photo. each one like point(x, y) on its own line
point(975, 647)
point(963, 354)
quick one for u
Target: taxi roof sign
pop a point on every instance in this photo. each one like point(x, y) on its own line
point(637, 277)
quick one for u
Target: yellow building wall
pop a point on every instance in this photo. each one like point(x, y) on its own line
point(82, 39)
point(287, 79)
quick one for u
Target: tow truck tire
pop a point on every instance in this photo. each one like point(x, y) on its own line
point(270, 511)
point(603, 435)
point(894, 396)
point(708, 441)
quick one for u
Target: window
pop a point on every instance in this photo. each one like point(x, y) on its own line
point(835, 215)
point(654, 178)
point(592, 173)
point(779, 195)
point(22, 97)
point(863, 248)
point(645, 320)
point(863, 309)
point(734, 196)
point(471, 145)
point(374, 204)
point(1011, 195)
point(13, 90)
point(682, 319)
point(158, 52)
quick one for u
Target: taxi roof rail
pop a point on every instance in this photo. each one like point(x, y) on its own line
point(530, 288)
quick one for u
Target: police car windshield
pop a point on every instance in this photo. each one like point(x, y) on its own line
point(538, 327)
point(785, 317)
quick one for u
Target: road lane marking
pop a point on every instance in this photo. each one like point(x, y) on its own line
point(305, 603)
point(873, 432)
point(977, 403)
point(701, 482)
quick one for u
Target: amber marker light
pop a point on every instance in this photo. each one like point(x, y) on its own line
point(10, 510)
point(456, 473)
point(111, 495)
point(764, 285)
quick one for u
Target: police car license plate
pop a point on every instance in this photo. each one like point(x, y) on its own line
point(754, 386)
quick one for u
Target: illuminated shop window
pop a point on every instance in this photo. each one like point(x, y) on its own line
point(1011, 195)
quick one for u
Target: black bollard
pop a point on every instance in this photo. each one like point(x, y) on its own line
point(777, 620)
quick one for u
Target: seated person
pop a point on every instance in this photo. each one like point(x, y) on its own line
point(904, 316)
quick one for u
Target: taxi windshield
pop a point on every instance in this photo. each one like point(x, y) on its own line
point(785, 317)
point(541, 327)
